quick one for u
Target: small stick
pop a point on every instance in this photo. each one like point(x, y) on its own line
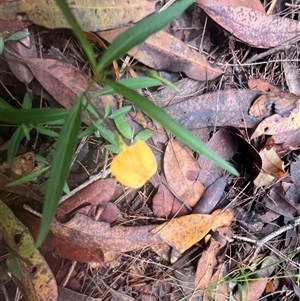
point(259, 243)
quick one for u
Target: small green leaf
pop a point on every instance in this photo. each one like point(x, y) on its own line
point(132, 83)
point(106, 134)
point(28, 178)
point(107, 109)
point(123, 127)
point(13, 266)
point(62, 158)
point(17, 36)
point(27, 102)
point(32, 116)
point(89, 107)
point(47, 132)
point(40, 159)
point(143, 135)
point(120, 112)
point(13, 145)
point(113, 148)
point(1, 45)
point(26, 131)
point(172, 125)
point(4, 104)
point(66, 188)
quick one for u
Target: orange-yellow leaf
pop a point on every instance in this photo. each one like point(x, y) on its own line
point(134, 165)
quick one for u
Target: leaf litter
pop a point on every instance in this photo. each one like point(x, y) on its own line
point(177, 240)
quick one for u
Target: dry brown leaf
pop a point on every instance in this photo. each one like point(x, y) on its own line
point(22, 189)
point(19, 68)
point(92, 235)
point(69, 82)
point(252, 26)
point(162, 51)
point(224, 143)
point(97, 193)
point(253, 290)
point(254, 4)
point(220, 108)
point(276, 124)
point(178, 165)
point(272, 167)
point(164, 204)
point(263, 86)
point(92, 15)
point(281, 103)
point(183, 232)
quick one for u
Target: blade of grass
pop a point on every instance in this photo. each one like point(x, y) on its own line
point(62, 158)
point(140, 32)
point(132, 83)
point(27, 178)
point(32, 116)
point(13, 145)
point(172, 125)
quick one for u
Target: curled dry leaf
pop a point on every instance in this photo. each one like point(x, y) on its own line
point(263, 86)
point(183, 232)
point(92, 15)
point(272, 167)
point(282, 103)
point(276, 124)
point(38, 282)
point(179, 164)
point(162, 51)
point(251, 26)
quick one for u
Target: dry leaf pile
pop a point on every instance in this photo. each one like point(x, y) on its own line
point(193, 232)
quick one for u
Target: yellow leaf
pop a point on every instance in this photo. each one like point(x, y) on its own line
point(134, 165)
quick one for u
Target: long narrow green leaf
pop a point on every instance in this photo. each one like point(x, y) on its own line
point(132, 83)
point(32, 116)
point(62, 158)
point(28, 178)
point(13, 145)
point(140, 32)
point(63, 5)
point(169, 123)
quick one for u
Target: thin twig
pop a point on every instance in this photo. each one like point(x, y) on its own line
point(261, 242)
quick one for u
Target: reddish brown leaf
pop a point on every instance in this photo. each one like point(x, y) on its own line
point(223, 143)
point(263, 86)
point(251, 26)
point(162, 51)
point(69, 82)
point(92, 235)
point(165, 204)
point(211, 197)
point(178, 165)
point(97, 193)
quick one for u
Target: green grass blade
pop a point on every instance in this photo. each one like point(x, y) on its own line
point(32, 116)
point(172, 125)
point(132, 83)
point(140, 32)
point(13, 145)
point(62, 158)
point(4, 105)
point(28, 178)
point(63, 5)
point(120, 112)
point(27, 102)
